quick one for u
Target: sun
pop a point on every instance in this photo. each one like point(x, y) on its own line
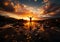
point(26, 18)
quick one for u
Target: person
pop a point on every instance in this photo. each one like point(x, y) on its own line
point(30, 19)
point(30, 23)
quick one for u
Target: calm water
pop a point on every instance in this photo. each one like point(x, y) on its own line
point(30, 32)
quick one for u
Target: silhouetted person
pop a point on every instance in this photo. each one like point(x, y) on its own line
point(30, 23)
point(30, 19)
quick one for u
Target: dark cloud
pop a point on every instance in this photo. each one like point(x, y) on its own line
point(54, 6)
point(9, 7)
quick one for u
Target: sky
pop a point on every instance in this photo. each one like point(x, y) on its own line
point(31, 2)
point(37, 2)
point(35, 8)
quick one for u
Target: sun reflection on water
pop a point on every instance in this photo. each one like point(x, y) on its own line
point(33, 26)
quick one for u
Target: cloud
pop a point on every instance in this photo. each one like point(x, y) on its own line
point(52, 7)
point(6, 5)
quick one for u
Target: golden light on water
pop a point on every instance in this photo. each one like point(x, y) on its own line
point(28, 25)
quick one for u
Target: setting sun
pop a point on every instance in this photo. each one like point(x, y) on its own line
point(28, 18)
